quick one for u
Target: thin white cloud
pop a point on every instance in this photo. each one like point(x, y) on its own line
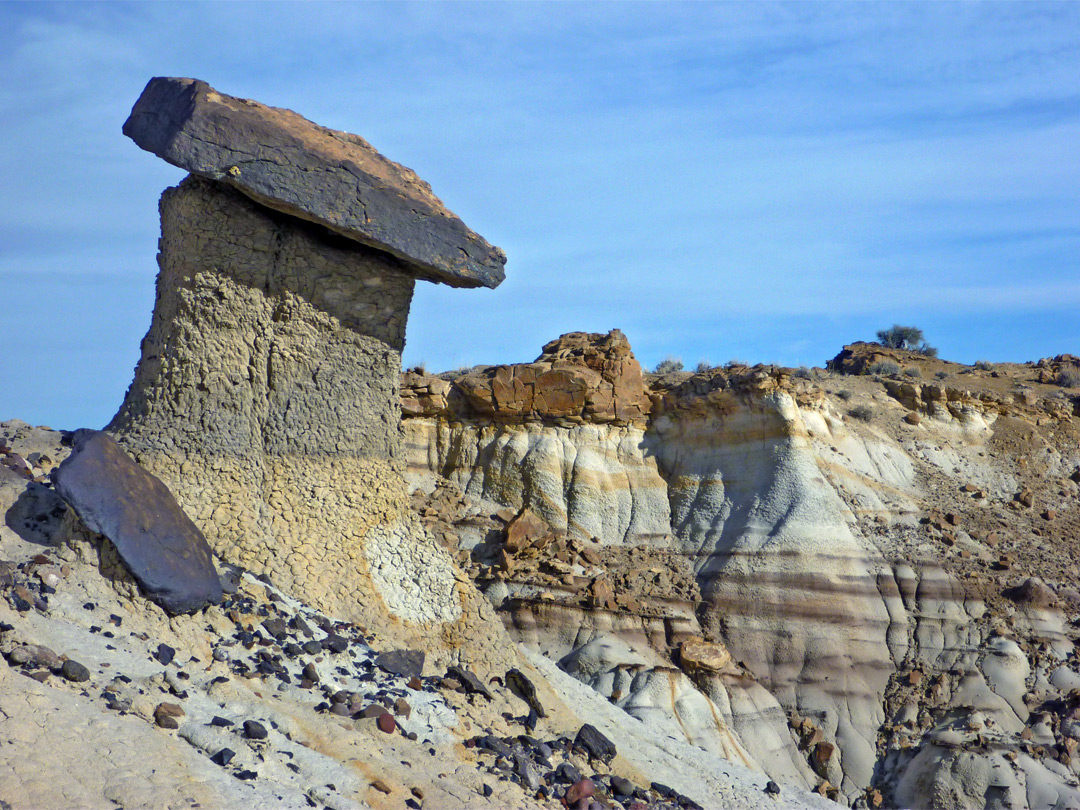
point(688, 172)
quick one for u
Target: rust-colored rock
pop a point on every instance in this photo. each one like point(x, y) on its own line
point(578, 378)
point(524, 531)
point(708, 656)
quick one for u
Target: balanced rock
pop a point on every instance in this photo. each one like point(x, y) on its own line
point(336, 179)
point(266, 396)
point(155, 539)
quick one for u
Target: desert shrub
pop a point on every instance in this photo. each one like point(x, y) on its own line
point(942, 375)
point(419, 368)
point(703, 367)
point(983, 365)
point(900, 337)
point(734, 362)
point(1069, 378)
point(906, 337)
point(912, 372)
point(668, 365)
point(863, 412)
point(802, 372)
point(885, 367)
point(844, 395)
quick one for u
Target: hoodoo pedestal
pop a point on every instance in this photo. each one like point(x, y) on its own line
point(266, 396)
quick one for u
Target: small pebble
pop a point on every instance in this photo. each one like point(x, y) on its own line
point(223, 757)
point(74, 671)
point(581, 789)
point(254, 730)
point(622, 787)
point(386, 723)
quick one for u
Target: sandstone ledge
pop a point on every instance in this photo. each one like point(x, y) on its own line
point(336, 179)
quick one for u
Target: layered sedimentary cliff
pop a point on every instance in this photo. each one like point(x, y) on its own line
point(850, 540)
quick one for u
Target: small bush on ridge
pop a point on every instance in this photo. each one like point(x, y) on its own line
point(906, 337)
point(668, 365)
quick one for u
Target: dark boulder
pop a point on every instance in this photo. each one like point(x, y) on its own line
point(522, 687)
point(469, 680)
point(595, 744)
point(161, 547)
point(406, 663)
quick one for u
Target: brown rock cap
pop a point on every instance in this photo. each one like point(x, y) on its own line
point(336, 179)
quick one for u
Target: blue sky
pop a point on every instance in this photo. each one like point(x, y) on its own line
point(761, 181)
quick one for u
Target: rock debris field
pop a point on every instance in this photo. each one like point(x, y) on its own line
point(257, 701)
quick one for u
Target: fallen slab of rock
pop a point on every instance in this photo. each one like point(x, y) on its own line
point(155, 539)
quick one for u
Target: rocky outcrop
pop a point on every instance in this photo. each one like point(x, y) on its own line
point(579, 378)
point(263, 701)
point(335, 179)
point(266, 396)
point(847, 556)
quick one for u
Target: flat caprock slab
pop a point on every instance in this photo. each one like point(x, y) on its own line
point(286, 162)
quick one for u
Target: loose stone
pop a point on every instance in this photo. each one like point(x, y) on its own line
point(74, 671)
point(406, 663)
point(595, 744)
point(254, 730)
point(581, 789)
point(223, 757)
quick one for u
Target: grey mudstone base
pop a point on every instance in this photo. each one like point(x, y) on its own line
point(266, 398)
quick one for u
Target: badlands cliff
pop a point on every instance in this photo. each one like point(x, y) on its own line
point(227, 599)
point(287, 575)
point(861, 583)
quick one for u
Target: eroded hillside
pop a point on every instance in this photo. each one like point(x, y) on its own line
point(859, 580)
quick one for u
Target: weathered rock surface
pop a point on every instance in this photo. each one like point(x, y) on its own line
point(161, 547)
point(335, 179)
point(266, 396)
point(217, 709)
point(578, 378)
point(869, 577)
